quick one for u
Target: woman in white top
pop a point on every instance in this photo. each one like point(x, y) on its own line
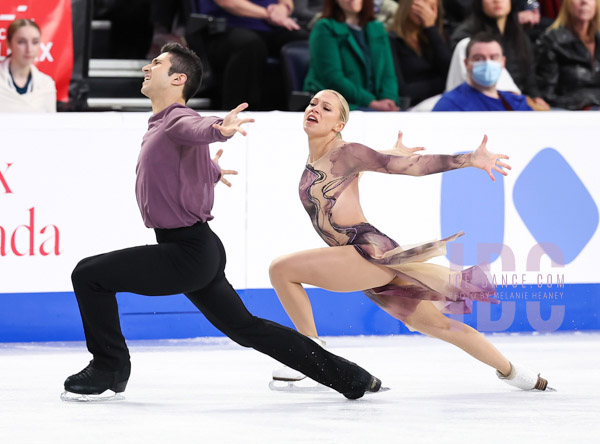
point(23, 87)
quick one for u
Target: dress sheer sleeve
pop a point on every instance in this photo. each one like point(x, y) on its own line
point(354, 157)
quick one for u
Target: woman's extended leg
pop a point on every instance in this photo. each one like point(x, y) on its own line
point(343, 269)
point(339, 269)
point(427, 319)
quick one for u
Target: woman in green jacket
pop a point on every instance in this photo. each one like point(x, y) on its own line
point(350, 52)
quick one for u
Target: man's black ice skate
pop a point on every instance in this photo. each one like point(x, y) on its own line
point(91, 384)
point(373, 387)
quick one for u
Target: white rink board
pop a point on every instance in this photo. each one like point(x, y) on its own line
point(77, 171)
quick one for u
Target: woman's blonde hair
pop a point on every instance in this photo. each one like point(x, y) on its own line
point(18, 24)
point(564, 19)
point(344, 107)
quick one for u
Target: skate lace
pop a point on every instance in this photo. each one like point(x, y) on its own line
point(527, 378)
point(541, 383)
point(86, 373)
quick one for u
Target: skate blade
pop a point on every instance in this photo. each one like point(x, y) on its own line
point(295, 387)
point(548, 389)
point(381, 389)
point(107, 396)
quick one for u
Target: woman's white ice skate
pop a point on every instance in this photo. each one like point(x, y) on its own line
point(525, 379)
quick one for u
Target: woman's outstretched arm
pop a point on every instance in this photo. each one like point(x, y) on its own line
point(354, 157)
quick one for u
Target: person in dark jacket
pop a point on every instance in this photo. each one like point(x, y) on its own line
point(255, 31)
point(421, 55)
point(568, 57)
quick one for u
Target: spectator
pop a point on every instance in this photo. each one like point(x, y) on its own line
point(350, 52)
point(23, 87)
point(384, 12)
point(568, 57)
point(256, 30)
point(421, 56)
point(501, 18)
point(484, 63)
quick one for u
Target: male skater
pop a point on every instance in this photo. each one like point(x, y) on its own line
point(174, 189)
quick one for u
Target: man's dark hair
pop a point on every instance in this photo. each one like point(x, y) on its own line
point(483, 37)
point(185, 61)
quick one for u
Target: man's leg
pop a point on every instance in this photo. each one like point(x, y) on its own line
point(152, 270)
point(222, 306)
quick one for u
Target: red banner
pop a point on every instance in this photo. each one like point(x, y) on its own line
point(56, 49)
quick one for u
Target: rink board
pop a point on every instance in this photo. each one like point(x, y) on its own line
point(40, 317)
point(67, 192)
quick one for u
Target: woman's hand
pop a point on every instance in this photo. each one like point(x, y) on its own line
point(426, 12)
point(223, 172)
point(384, 105)
point(279, 16)
point(399, 149)
point(529, 17)
point(484, 160)
point(232, 123)
point(541, 104)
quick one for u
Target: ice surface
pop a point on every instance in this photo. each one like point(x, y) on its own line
point(212, 391)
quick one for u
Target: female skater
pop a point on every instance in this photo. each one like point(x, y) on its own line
point(360, 257)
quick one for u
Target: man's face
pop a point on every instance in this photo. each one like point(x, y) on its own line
point(484, 51)
point(156, 77)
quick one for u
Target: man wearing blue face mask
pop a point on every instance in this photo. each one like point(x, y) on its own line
point(484, 63)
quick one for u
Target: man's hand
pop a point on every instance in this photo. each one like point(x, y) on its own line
point(232, 122)
point(223, 172)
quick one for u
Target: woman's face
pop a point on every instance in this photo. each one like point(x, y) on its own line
point(582, 10)
point(25, 45)
point(496, 8)
point(322, 115)
point(350, 6)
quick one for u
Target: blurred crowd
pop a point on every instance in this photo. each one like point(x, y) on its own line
point(382, 55)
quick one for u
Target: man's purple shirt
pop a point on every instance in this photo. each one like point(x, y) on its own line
point(175, 174)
